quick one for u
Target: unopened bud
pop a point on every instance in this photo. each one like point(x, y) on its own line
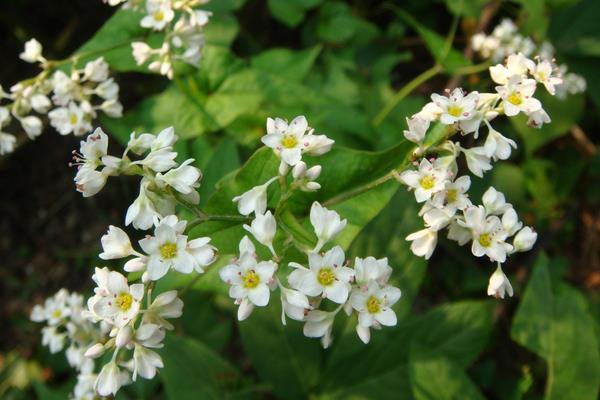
point(95, 351)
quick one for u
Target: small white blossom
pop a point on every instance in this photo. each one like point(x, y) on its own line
point(327, 224)
point(525, 239)
point(426, 181)
point(499, 284)
point(33, 52)
point(373, 305)
point(423, 242)
point(263, 228)
point(254, 200)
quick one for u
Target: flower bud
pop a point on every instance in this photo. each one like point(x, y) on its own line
point(124, 336)
point(95, 351)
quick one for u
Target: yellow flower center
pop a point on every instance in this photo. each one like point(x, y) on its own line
point(427, 182)
point(168, 250)
point(124, 301)
point(326, 276)
point(451, 195)
point(56, 314)
point(373, 305)
point(73, 119)
point(541, 76)
point(251, 280)
point(455, 110)
point(485, 240)
point(289, 141)
point(159, 15)
point(515, 98)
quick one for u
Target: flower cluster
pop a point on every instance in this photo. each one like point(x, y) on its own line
point(506, 40)
point(325, 276)
point(183, 27)
point(444, 192)
point(67, 326)
point(71, 101)
point(163, 180)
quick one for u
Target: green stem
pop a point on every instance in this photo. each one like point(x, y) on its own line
point(472, 69)
point(405, 91)
point(360, 189)
point(224, 218)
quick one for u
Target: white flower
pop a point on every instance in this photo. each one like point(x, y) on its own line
point(89, 181)
point(160, 160)
point(96, 71)
point(146, 361)
point(167, 249)
point(159, 15)
point(487, 234)
point(325, 276)
point(109, 380)
point(294, 304)
point(108, 90)
point(69, 119)
point(499, 284)
point(254, 200)
point(33, 52)
point(184, 179)
point(495, 202)
point(371, 269)
point(426, 181)
point(40, 103)
point(64, 88)
point(454, 196)
point(142, 211)
point(7, 143)
point(327, 224)
point(417, 128)
point(517, 96)
point(54, 339)
point(263, 228)
point(319, 324)
point(373, 305)
point(304, 177)
point(525, 239)
point(115, 244)
point(115, 301)
point(248, 278)
point(516, 66)
point(543, 73)
point(287, 140)
point(165, 305)
point(510, 222)
point(456, 107)
point(477, 160)
point(538, 118)
point(32, 126)
point(141, 52)
point(429, 112)
point(497, 146)
point(423, 242)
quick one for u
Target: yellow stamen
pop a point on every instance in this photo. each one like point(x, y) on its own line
point(455, 110)
point(124, 301)
point(168, 250)
point(485, 240)
point(427, 182)
point(373, 305)
point(515, 98)
point(159, 15)
point(289, 141)
point(451, 195)
point(251, 280)
point(326, 276)
point(73, 119)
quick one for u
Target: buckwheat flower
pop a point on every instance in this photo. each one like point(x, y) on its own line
point(160, 160)
point(33, 52)
point(371, 269)
point(319, 324)
point(64, 88)
point(165, 306)
point(115, 244)
point(166, 250)
point(146, 361)
point(254, 200)
point(117, 302)
point(455, 195)
point(373, 305)
point(294, 304)
point(96, 70)
point(69, 119)
point(477, 160)
point(499, 284)
point(263, 228)
point(430, 112)
point(249, 279)
point(538, 118)
point(426, 181)
point(54, 339)
point(543, 72)
point(524, 240)
point(516, 66)
point(305, 177)
point(423, 242)
point(517, 96)
point(326, 276)
point(510, 222)
point(184, 179)
point(286, 140)
point(108, 89)
point(417, 128)
point(7, 141)
point(458, 233)
point(141, 212)
point(497, 146)
point(202, 252)
point(40, 103)
point(495, 202)
point(456, 107)
point(326, 223)
point(109, 381)
point(32, 126)
point(141, 52)
point(487, 234)
point(89, 181)
point(317, 145)
point(159, 15)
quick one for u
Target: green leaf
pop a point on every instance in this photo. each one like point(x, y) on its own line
point(469, 8)
point(554, 322)
point(288, 64)
point(434, 376)
point(450, 58)
point(281, 355)
point(222, 29)
point(194, 371)
point(291, 12)
point(113, 41)
point(224, 159)
point(336, 23)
